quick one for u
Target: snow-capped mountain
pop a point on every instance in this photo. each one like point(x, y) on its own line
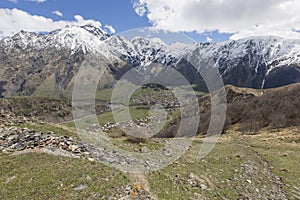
point(32, 63)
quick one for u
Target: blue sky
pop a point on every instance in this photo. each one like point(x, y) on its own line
point(118, 13)
point(205, 20)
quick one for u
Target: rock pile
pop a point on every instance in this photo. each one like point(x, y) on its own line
point(13, 139)
point(8, 118)
point(18, 139)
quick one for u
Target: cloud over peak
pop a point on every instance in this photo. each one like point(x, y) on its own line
point(110, 28)
point(15, 20)
point(237, 17)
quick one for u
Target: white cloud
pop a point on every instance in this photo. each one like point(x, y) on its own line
point(139, 7)
point(238, 17)
point(111, 29)
point(208, 39)
point(14, 20)
point(58, 13)
point(13, 1)
point(37, 1)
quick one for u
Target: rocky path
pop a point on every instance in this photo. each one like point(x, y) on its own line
point(258, 165)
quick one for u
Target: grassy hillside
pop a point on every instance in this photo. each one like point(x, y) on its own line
point(260, 163)
point(240, 166)
point(42, 176)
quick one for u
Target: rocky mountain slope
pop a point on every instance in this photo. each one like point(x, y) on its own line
point(45, 64)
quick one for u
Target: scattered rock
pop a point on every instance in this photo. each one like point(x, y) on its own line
point(8, 118)
point(203, 187)
point(194, 179)
point(88, 178)
point(144, 150)
point(136, 191)
point(81, 187)
point(73, 148)
point(10, 179)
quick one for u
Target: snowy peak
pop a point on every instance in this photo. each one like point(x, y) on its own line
point(245, 62)
point(141, 42)
point(76, 38)
point(86, 29)
point(98, 32)
point(22, 40)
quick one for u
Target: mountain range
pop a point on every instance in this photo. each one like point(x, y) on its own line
point(33, 64)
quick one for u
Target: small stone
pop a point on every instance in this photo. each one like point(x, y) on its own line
point(192, 176)
point(10, 179)
point(144, 150)
point(12, 138)
point(81, 187)
point(203, 187)
point(73, 148)
point(88, 178)
point(147, 163)
point(19, 147)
